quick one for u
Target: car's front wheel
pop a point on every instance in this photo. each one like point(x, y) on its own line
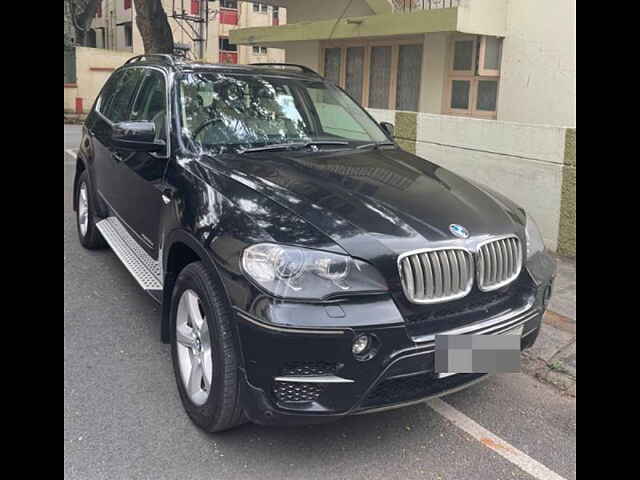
point(205, 359)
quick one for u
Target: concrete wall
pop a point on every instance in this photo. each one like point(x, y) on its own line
point(434, 66)
point(305, 53)
point(70, 95)
point(538, 78)
point(534, 165)
point(483, 17)
point(93, 68)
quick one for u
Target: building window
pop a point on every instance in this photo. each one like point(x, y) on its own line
point(332, 64)
point(378, 74)
point(100, 37)
point(259, 50)
point(380, 77)
point(127, 4)
point(229, 12)
point(276, 16)
point(409, 77)
point(260, 7)
point(355, 72)
point(92, 38)
point(226, 46)
point(99, 10)
point(128, 34)
point(474, 76)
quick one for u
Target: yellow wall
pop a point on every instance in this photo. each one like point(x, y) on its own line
point(93, 68)
point(538, 78)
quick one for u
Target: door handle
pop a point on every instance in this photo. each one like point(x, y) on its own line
point(167, 195)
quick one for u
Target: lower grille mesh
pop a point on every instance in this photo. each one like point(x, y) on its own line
point(301, 391)
point(416, 387)
point(297, 392)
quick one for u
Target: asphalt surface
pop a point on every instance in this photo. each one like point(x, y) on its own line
point(123, 418)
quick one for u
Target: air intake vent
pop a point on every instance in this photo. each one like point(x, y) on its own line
point(498, 263)
point(435, 276)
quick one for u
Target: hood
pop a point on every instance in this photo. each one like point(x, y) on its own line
point(375, 203)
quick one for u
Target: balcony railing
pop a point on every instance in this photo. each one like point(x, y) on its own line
point(412, 5)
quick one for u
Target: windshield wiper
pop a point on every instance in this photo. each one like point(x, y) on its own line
point(292, 146)
point(376, 145)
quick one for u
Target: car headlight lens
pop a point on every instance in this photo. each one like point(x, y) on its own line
point(302, 273)
point(535, 242)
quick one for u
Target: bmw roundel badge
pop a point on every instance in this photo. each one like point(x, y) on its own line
point(458, 230)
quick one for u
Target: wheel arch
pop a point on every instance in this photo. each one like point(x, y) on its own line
point(80, 168)
point(180, 249)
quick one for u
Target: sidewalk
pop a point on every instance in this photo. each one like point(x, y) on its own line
point(553, 358)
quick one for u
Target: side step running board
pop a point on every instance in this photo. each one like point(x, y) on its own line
point(144, 269)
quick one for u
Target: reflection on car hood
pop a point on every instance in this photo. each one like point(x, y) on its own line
point(375, 201)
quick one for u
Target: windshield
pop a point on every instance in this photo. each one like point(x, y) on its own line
point(247, 111)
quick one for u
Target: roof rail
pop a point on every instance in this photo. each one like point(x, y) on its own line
point(302, 68)
point(152, 56)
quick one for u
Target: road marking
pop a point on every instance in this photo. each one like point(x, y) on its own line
point(72, 152)
point(492, 441)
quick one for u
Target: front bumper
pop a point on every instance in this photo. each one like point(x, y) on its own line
point(401, 373)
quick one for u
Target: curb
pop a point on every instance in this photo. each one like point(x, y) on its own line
point(553, 361)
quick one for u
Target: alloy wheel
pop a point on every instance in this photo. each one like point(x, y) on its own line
point(194, 348)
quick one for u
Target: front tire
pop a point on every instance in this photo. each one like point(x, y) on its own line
point(88, 233)
point(205, 359)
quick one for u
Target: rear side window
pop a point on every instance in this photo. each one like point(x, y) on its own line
point(117, 106)
point(106, 96)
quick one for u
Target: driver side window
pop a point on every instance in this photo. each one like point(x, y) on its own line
point(151, 103)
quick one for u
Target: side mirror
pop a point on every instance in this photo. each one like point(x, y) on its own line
point(389, 128)
point(136, 137)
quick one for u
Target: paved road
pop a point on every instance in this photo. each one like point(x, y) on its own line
point(123, 418)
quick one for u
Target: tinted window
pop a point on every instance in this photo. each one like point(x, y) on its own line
point(118, 108)
point(106, 96)
point(151, 102)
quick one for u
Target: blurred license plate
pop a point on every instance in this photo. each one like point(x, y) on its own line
point(478, 353)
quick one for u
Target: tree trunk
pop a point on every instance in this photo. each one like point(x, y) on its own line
point(82, 21)
point(153, 25)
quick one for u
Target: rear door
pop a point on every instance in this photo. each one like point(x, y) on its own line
point(114, 105)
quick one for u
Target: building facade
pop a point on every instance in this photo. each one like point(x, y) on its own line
point(511, 60)
point(114, 28)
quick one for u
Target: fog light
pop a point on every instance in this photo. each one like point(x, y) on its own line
point(361, 344)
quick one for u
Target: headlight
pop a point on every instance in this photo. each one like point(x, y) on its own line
point(535, 243)
point(302, 273)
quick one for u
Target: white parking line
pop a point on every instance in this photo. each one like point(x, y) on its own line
point(72, 152)
point(492, 441)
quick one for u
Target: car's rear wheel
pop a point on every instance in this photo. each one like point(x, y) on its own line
point(205, 359)
point(88, 233)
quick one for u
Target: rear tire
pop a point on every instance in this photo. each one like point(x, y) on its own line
point(89, 235)
point(205, 358)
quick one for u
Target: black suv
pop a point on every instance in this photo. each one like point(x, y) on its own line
point(304, 262)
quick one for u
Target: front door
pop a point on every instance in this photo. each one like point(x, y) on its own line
point(141, 174)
